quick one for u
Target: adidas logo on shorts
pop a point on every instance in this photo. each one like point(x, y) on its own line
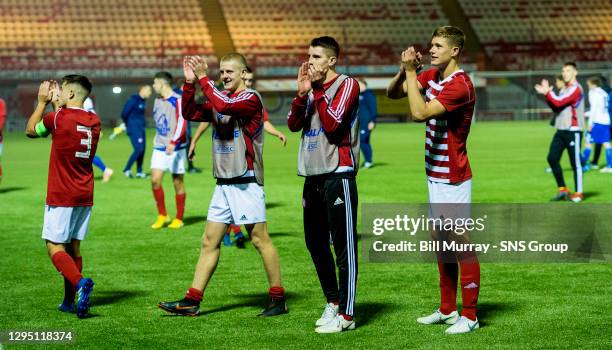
point(338, 201)
point(243, 217)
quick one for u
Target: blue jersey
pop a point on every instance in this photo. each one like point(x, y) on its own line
point(133, 114)
point(367, 109)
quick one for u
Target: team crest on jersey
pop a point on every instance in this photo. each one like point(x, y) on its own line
point(161, 125)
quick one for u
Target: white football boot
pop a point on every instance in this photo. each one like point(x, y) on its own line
point(337, 325)
point(438, 317)
point(329, 313)
point(464, 325)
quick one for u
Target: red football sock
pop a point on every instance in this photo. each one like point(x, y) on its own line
point(180, 205)
point(67, 267)
point(158, 193)
point(235, 228)
point(194, 295)
point(276, 292)
point(470, 286)
point(448, 287)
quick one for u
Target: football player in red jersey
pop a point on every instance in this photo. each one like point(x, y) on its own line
point(2, 119)
point(75, 134)
point(447, 110)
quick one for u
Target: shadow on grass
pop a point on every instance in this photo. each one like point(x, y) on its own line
point(244, 300)
point(368, 312)
point(588, 195)
point(11, 189)
point(271, 205)
point(486, 310)
point(191, 220)
point(376, 165)
point(113, 296)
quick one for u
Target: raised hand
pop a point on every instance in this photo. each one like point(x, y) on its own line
point(44, 92)
point(411, 60)
point(303, 80)
point(198, 65)
point(190, 76)
point(54, 88)
point(543, 87)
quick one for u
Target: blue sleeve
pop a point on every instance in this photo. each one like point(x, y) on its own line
point(127, 109)
point(371, 103)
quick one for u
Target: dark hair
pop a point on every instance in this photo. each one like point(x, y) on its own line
point(570, 63)
point(248, 69)
point(454, 35)
point(79, 80)
point(596, 80)
point(327, 42)
point(165, 76)
point(559, 77)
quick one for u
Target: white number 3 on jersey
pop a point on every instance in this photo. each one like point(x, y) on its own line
point(84, 142)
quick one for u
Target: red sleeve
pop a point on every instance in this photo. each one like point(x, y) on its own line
point(245, 105)
point(49, 120)
point(567, 98)
point(191, 110)
point(333, 113)
point(266, 117)
point(455, 94)
point(2, 113)
point(424, 77)
point(297, 114)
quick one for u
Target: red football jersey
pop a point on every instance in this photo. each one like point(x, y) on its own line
point(2, 116)
point(446, 158)
point(75, 134)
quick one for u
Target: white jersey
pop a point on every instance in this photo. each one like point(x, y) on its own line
point(88, 105)
point(598, 111)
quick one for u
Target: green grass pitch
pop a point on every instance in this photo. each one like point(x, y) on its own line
point(134, 267)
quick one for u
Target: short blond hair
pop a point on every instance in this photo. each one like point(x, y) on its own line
point(454, 35)
point(235, 56)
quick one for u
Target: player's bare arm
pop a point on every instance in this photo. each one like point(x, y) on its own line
point(419, 109)
point(270, 129)
point(194, 140)
point(45, 95)
point(396, 89)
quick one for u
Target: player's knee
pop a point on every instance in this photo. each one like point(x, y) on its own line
point(260, 240)
point(208, 244)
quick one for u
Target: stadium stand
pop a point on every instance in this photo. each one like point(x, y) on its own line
point(541, 34)
point(99, 34)
point(273, 32)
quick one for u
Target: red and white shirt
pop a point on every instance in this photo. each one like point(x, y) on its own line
point(74, 140)
point(446, 158)
point(336, 116)
point(244, 105)
point(2, 116)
